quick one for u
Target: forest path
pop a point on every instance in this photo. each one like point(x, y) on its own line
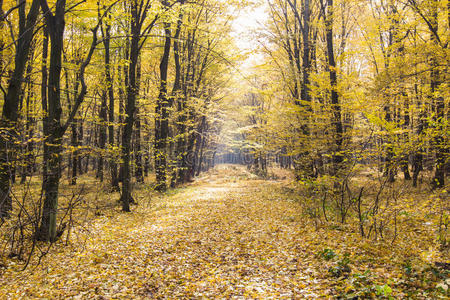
point(223, 236)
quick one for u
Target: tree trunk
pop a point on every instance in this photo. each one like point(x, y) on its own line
point(28, 159)
point(389, 167)
point(306, 52)
point(74, 143)
point(53, 129)
point(130, 108)
point(200, 160)
point(177, 95)
point(406, 123)
point(147, 138)
point(161, 121)
point(52, 144)
point(441, 148)
point(11, 101)
point(44, 81)
point(102, 134)
point(110, 86)
point(80, 143)
point(139, 173)
point(199, 136)
point(439, 145)
point(121, 111)
point(338, 156)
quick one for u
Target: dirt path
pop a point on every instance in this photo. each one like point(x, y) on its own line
point(226, 238)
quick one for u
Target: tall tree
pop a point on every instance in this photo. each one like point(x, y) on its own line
point(139, 11)
point(54, 129)
point(106, 36)
point(9, 116)
point(162, 121)
point(338, 157)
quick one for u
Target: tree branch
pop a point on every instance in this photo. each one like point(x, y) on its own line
point(80, 97)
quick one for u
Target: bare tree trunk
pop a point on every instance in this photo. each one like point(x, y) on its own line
point(161, 121)
point(338, 156)
point(121, 111)
point(146, 151)
point(406, 123)
point(139, 173)
point(74, 142)
point(110, 86)
point(198, 147)
point(44, 81)
point(389, 170)
point(306, 51)
point(54, 129)
point(178, 96)
point(28, 163)
point(11, 101)
point(73, 138)
point(52, 145)
point(102, 134)
point(80, 142)
point(439, 145)
point(200, 159)
point(130, 108)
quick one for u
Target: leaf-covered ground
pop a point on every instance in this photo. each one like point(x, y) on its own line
point(222, 237)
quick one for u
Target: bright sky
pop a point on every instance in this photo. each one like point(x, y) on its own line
point(249, 20)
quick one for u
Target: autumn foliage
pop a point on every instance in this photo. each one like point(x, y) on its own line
point(224, 149)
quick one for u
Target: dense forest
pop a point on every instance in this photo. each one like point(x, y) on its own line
point(224, 148)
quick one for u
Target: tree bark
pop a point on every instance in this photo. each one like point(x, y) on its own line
point(130, 108)
point(139, 172)
point(406, 123)
point(161, 120)
point(28, 158)
point(11, 102)
point(52, 144)
point(54, 130)
point(102, 134)
point(178, 97)
point(338, 156)
point(439, 145)
point(306, 52)
point(106, 34)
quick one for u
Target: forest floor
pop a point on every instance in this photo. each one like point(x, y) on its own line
point(227, 235)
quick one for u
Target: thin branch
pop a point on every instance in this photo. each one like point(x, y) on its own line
point(80, 97)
